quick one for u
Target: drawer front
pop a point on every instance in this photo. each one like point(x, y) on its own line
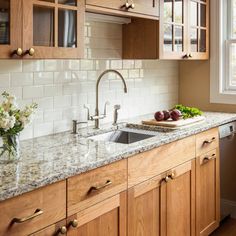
point(142, 7)
point(33, 211)
point(52, 230)
point(93, 187)
point(207, 141)
point(112, 4)
point(149, 164)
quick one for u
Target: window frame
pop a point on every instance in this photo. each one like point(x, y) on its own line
point(220, 91)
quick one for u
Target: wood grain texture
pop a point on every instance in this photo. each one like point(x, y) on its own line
point(105, 218)
point(180, 201)
point(51, 230)
point(207, 194)
point(79, 197)
point(143, 8)
point(51, 199)
point(148, 164)
point(209, 135)
point(52, 51)
point(6, 51)
point(140, 39)
point(144, 208)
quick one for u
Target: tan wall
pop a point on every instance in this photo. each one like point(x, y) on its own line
point(194, 86)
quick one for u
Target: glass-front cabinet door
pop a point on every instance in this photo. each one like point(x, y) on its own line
point(10, 28)
point(173, 29)
point(199, 29)
point(53, 28)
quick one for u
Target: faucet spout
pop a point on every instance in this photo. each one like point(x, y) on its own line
point(97, 91)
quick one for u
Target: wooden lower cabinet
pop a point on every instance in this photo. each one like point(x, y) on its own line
point(207, 193)
point(107, 218)
point(164, 205)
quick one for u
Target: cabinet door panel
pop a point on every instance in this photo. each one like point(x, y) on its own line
point(173, 41)
point(144, 208)
point(105, 218)
point(207, 193)
point(53, 29)
point(198, 29)
point(178, 202)
point(10, 27)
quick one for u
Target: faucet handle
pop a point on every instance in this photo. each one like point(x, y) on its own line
point(88, 111)
point(117, 107)
point(105, 108)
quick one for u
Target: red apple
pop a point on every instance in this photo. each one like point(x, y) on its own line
point(159, 116)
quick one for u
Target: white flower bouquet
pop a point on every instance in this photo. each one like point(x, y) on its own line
point(12, 122)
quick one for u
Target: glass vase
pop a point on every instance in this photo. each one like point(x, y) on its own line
point(9, 148)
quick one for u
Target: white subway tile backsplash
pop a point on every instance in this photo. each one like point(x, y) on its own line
point(53, 65)
point(62, 87)
point(62, 101)
point(41, 78)
point(87, 64)
point(44, 103)
point(9, 66)
point(21, 79)
point(4, 80)
point(32, 65)
point(33, 92)
point(62, 77)
point(43, 129)
point(53, 90)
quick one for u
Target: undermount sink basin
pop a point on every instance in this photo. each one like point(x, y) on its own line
point(120, 136)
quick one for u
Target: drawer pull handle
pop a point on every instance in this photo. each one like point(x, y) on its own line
point(37, 213)
point(207, 158)
point(209, 141)
point(93, 188)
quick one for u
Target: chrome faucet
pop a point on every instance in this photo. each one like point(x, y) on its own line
point(97, 116)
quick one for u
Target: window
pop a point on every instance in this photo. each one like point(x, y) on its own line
point(223, 52)
point(230, 41)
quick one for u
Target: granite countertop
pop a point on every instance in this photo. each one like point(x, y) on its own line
point(53, 158)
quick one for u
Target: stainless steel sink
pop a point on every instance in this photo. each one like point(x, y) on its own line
point(121, 136)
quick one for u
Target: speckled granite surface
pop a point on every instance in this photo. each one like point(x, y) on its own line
point(52, 158)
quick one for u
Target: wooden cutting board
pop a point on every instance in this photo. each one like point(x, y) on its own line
point(175, 124)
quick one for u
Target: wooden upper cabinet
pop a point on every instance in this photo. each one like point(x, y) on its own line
point(53, 28)
point(181, 33)
point(10, 28)
point(198, 36)
point(173, 32)
point(207, 193)
point(138, 8)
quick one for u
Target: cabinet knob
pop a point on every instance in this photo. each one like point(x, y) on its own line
point(63, 230)
point(172, 176)
point(132, 6)
point(18, 52)
point(167, 179)
point(31, 52)
point(127, 6)
point(190, 55)
point(186, 56)
point(74, 223)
